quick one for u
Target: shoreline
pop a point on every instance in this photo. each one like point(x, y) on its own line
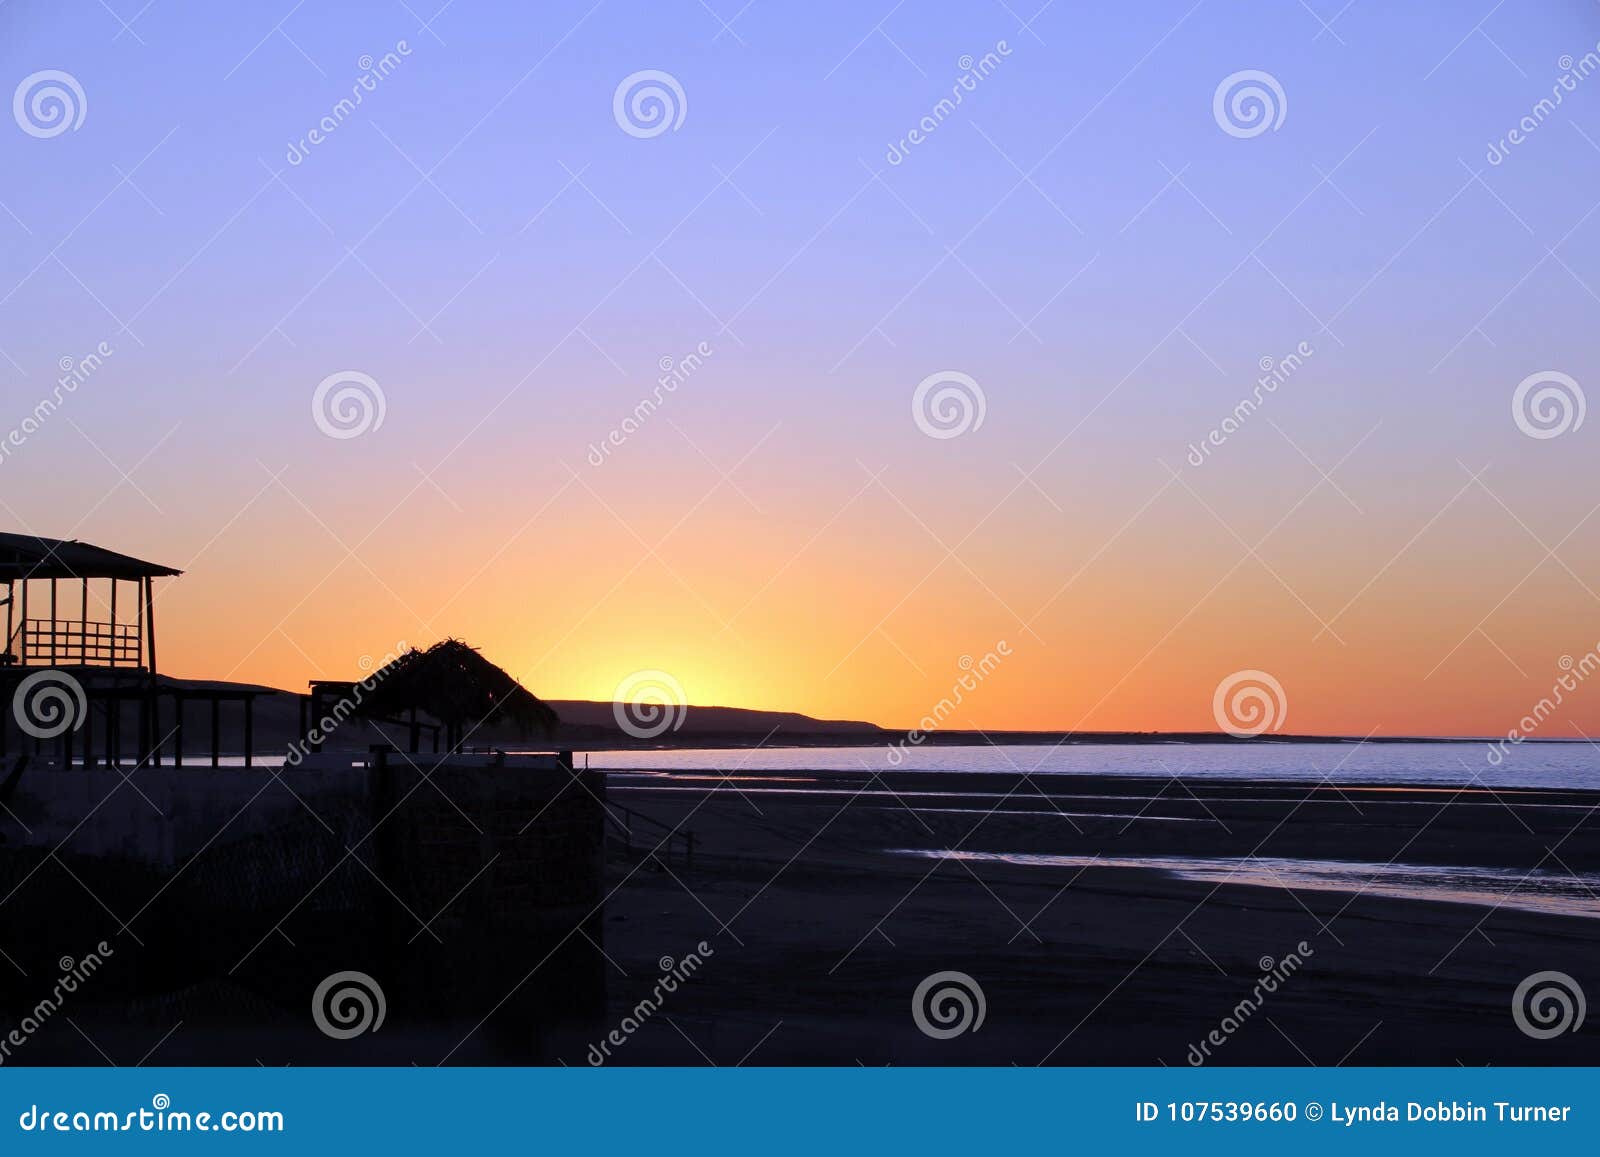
point(887, 737)
point(592, 725)
point(822, 928)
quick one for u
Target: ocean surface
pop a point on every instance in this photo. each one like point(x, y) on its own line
point(1438, 765)
point(1562, 893)
point(1533, 764)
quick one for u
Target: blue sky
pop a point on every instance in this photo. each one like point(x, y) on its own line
point(1080, 236)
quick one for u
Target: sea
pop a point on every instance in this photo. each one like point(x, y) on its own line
point(1456, 763)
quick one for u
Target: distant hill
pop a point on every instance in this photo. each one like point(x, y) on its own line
point(587, 723)
point(590, 725)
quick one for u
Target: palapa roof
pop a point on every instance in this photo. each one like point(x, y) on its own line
point(27, 556)
point(455, 684)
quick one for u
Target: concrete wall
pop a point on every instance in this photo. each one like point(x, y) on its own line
point(466, 889)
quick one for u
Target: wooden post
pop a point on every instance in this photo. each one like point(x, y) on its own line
point(142, 751)
point(150, 620)
point(114, 647)
point(316, 719)
point(83, 627)
point(177, 729)
point(249, 729)
point(388, 843)
point(88, 731)
point(153, 701)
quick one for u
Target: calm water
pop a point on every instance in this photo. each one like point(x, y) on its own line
point(1547, 764)
point(1517, 888)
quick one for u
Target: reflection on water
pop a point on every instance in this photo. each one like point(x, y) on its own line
point(1537, 764)
point(746, 786)
point(1449, 766)
point(1058, 814)
point(1515, 888)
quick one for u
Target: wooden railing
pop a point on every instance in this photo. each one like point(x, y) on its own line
point(59, 642)
point(621, 821)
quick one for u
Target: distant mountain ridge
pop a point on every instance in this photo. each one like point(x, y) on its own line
point(593, 725)
point(584, 724)
point(585, 717)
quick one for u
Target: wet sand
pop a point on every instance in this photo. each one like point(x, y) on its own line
point(820, 931)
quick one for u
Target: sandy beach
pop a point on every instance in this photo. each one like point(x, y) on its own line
point(821, 926)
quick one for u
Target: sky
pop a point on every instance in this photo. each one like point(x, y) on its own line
point(496, 252)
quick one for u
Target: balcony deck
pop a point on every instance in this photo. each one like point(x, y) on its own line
point(73, 642)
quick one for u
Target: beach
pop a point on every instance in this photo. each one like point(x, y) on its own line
point(816, 917)
point(1131, 921)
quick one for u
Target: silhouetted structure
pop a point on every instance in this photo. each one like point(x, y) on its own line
point(444, 878)
point(33, 570)
point(69, 611)
point(105, 651)
point(449, 686)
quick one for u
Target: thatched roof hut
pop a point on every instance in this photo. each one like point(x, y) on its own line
point(457, 686)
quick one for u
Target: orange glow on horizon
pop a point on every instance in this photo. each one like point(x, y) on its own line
point(879, 636)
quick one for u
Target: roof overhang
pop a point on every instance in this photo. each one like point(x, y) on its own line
point(27, 556)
